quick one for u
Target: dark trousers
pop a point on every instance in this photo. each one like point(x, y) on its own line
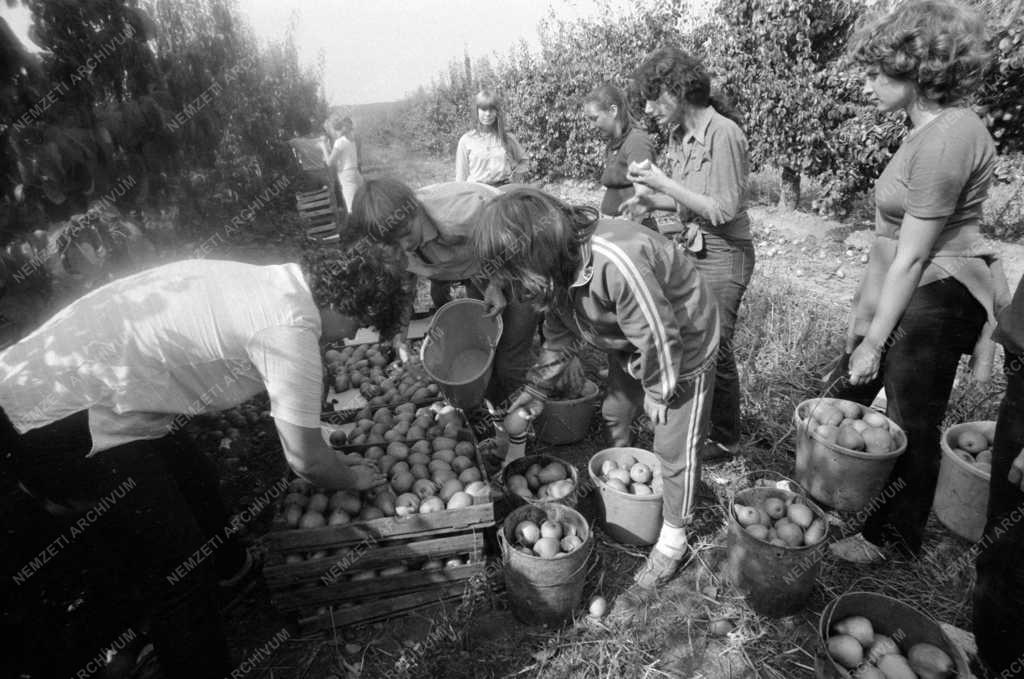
point(513, 356)
point(726, 265)
point(153, 504)
point(999, 591)
point(918, 367)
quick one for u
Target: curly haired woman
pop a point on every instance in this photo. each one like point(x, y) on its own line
point(706, 187)
point(932, 288)
point(489, 154)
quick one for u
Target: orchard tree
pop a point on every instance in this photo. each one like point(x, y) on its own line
point(780, 63)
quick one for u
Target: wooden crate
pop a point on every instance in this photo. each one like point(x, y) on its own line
point(320, 591)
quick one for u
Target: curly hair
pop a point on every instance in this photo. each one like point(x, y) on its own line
point(672, 70)
point(528, 240)
point(937, 44)
point(382, 208)
point(363, 282)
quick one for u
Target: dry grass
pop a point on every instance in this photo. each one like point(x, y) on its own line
point(786, 338)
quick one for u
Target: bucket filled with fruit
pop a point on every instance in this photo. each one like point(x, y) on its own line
point(872, 636)
point(776, 541)
point(961, 494)
point(844, 451)
point(541, 478)
point(628, 482)
point(545, 550)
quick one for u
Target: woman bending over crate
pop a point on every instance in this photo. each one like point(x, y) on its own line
point(431, 229)
point(632, 293)
point(95, 401)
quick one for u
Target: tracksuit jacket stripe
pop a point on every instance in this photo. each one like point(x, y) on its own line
point(635, 281)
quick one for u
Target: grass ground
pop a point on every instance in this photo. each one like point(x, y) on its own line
point(790, 328)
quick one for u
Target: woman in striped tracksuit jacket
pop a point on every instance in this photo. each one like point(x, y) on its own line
point(634, 294)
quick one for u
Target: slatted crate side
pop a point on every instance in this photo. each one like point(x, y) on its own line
point(368, 591)
point(372, 556)
point(290, 540)
point(379, 610)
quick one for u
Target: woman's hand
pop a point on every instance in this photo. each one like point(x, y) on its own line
point(366, 476)
point(658, 412)
point(865, 362)
point(648, 174)
point(637, 207)
point(401, 347)
point(495, 300)
point(1016, 475)
point(529, 403)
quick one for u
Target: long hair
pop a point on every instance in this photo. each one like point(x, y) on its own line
point(528, 241)
point(670, 69)
point(939, 45)
point(607, 95)
point(485, 99)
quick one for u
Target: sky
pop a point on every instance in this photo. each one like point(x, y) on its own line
point(381, 50)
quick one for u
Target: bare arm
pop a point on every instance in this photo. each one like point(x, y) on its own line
point(313, 460)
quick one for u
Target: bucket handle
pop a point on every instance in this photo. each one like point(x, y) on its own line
point(749, 480)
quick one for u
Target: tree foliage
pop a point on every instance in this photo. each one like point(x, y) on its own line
point(174, 94)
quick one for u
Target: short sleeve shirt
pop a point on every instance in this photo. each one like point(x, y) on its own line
point(942, 169)
point(143, 352)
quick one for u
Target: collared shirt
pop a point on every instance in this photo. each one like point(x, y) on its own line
point(444, 252)
point(144, 351)
point(637, 296)
point(481, 157)
point(712, 160)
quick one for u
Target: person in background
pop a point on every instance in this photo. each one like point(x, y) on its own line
point(607, 110)
point(706, 185)
point(343, 158)
point(431, 228)
point(489, 154)
point(633, 294)
point(932, 288)
point(999, 590)
point(95, 401)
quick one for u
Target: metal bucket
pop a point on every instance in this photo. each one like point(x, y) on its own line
point(567, 421)
point(776, 581)
point(458, 351)
point(545, 591)
point(836, 476)
point(888, 616)
point(961, 494)
point(628, 519)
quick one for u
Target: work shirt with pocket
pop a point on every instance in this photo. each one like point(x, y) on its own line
point(481, 157)
point(713, 161)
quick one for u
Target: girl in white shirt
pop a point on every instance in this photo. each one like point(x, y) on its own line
point(344, 158)
point(488, 154)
